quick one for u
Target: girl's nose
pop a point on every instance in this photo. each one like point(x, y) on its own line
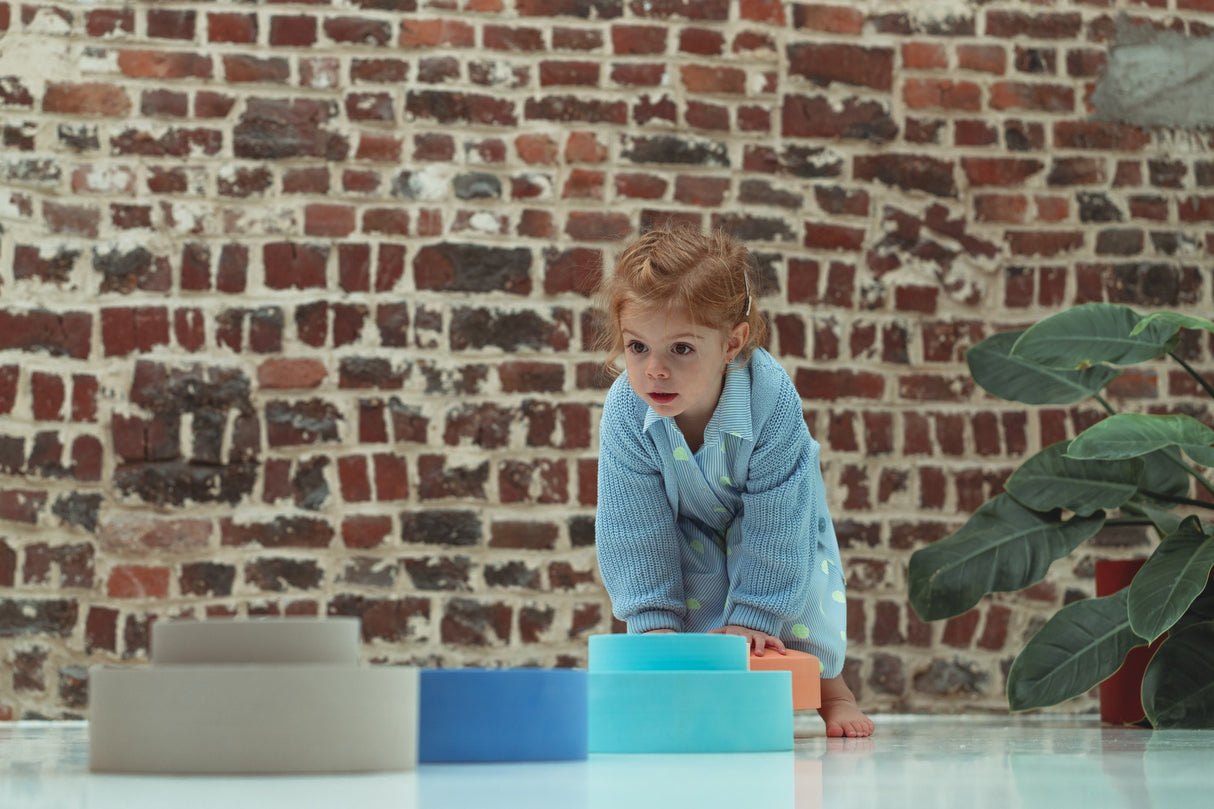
point(655, 367)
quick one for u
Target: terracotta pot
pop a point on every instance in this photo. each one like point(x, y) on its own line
point(1121, 694)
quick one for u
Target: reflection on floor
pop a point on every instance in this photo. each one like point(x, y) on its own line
point(1036, 762)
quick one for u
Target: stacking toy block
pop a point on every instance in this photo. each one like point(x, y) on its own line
point(502, 715)
point(684, 693)
point(263, 696)
point(255, 719)
point(806, 673)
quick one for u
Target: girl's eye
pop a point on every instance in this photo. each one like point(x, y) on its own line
point(682, 349)
point(636, 348)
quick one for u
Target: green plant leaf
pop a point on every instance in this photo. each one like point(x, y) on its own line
point(1094, 333)
point(1130, 435)
point(1164, 473)
point(1171, 580)
point(1165, 521)
point(1019, 380)
point(1050, 480)
point(1202, 609)
point(1178, 320)
point(1004, 546)
point(1178, 686)
point(1081, 645)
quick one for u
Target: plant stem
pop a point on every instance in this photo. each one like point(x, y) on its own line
point(1193, 373)
point(1184, 501)
point(1108, 408)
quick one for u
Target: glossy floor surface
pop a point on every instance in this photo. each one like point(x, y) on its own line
point(912, 761)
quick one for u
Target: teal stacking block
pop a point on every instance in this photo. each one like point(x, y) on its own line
point(690, 711)
point(687, 651)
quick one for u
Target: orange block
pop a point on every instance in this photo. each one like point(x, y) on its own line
point(806, 675)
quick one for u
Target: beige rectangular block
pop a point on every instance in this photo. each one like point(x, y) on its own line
point(253, 719)
point(257, 640)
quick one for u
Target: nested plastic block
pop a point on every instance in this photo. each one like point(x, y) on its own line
point(257, 640)
point(690, 711)
point(502, 715)
point(252, 718)
point(806, 671)
point(684, 651)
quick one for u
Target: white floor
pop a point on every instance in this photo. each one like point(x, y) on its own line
point(912, 761)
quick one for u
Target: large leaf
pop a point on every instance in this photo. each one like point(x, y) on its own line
point(1178, 320)
point(1004, 546)
point(1019, 380)
point(1202, 609)
point(1130, 435)
point(1178, 686)
point(1171, 580)
point(1094, 333)
point(1083, 644)
point(1165, 521)
point(1165, 473)
point(1050, 480)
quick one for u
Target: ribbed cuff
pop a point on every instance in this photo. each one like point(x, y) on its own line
point(654, 619)
point(752, 618)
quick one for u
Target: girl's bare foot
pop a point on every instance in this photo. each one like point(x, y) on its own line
point(840, 712)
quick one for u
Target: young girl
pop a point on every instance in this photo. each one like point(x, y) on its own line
point(712, 510)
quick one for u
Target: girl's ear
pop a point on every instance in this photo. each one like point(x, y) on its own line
point(737, 339)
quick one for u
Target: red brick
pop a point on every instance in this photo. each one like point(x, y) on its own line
point(833, 237)
point(942, 94)
point(250, 69)
point(368, 531)
point(231, 27)
point(924, 56)
point(104, 22)
point(831, 19)
point(358, 30)
point(1099, 135)
point(435, 33)
point(88, 98)
point(141, 64)
point(704, 79)
point(322, 219)
point(975, 133)
point(189, 328)
point(982, 58)
point(48, 393)
point(391, 477)
point(985, 171)
point(295, 31)
point(638, 40)
point(597, 227)
point(1044, 243)
point(169, 24)
point(1009, 208)
point(138, 581)
point(1007, 95)
point(847, 64)
point(291, 373)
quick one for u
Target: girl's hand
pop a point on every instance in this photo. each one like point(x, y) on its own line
point(756, 640)
point(659, 632)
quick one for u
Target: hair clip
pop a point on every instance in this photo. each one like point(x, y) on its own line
point(746, 280)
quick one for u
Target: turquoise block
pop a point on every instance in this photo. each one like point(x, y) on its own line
point(685, 651)
point(690, 711)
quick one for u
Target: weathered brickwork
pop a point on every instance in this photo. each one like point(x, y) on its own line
point(295, 320)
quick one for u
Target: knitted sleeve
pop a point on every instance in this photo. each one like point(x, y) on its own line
point(635, 534)
point(770, 574)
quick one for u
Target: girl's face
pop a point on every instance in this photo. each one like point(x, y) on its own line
point(677, 367)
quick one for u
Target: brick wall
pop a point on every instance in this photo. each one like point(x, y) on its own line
point(295, 320)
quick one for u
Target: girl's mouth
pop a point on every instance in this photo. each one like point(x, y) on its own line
point(663, 398)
